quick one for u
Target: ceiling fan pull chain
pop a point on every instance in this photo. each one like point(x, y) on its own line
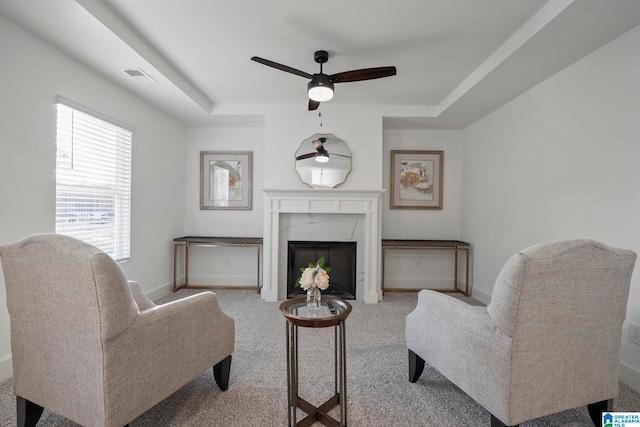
point(320, 115)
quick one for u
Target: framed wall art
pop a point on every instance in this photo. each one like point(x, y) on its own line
point(416, 179)
point(225, 179)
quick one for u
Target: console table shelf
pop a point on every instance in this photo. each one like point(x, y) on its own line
point(211, 242)
point(450, 245)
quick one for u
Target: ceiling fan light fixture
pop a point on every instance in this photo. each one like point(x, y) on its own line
point(322, 158)
point(320, 88)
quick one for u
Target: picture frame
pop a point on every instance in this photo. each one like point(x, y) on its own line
point(416, 179)
point(226, 180)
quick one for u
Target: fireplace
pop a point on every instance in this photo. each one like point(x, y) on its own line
point(322, 215)
point(339, 256)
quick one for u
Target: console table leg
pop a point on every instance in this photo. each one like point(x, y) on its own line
point(382, 271)
point(186, 265)
point(467, 272)
point(258, 272)
point(175, 261)
point(455, 271)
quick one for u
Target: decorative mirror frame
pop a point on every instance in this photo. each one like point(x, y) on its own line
point(337, 155)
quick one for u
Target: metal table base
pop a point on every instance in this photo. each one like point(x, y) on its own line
point(320, 413)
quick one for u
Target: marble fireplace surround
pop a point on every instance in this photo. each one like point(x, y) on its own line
point(285, 210)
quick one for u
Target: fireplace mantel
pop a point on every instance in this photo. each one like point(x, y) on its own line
point(353, 202)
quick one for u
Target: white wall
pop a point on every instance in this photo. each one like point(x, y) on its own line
point(423, 269)
point(560, 162)
point(360, 127)
point(424, 224)
point(274, 147)
point(222, 266)
point(32, 73)
point(245, 223)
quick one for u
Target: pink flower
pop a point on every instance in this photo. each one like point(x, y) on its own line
point(314, 276)
point(306, 281)
point(321, 279)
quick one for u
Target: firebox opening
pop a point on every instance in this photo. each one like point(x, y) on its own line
point(339, 256)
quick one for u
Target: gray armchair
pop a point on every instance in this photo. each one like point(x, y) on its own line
point(88, 345)
point(548, 341)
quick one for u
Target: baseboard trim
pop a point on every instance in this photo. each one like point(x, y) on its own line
point(481, 296)
point(629, 376)
point(160, 291)
point(6, 368)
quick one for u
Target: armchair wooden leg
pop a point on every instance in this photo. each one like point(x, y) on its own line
point(596, 410)
point(497, 423)
point(221, 373)
point(28, 412)
point(416, 366)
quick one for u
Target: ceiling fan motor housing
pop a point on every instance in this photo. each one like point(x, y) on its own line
point(321, 56)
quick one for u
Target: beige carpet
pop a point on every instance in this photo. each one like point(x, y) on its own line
point(379, 393)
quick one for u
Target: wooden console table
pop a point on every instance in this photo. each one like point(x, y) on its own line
point(211, 242)
point(450, 245)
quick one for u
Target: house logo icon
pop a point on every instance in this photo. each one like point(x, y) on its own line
point(607, 420)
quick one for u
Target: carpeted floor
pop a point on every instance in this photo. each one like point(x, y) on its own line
point(379, 393)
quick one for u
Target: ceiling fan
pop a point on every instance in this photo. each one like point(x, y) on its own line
point(321, 155)
point(321, 86)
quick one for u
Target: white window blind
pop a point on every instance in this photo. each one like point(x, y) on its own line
point(220, 186)
point(93, 180)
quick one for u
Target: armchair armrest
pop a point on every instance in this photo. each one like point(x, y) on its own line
point(139, 296)
point(464, 344)
point(182, 338)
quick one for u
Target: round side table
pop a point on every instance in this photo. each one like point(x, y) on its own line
point(333, 312)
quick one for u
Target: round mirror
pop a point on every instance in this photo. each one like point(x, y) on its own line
point(323, 161)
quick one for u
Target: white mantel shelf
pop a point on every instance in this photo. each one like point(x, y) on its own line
point(312, 201)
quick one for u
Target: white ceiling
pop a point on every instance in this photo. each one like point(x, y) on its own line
point(456, 60)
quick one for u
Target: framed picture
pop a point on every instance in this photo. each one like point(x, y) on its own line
point(416, 179)
point(225, 179)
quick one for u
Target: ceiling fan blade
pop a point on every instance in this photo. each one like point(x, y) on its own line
point(363, 74)
point(306, 156)
point(313, 105)
point(282, 67)
point(340, 155)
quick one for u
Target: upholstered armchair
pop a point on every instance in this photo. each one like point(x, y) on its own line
point(548, 341)
point(88, 345)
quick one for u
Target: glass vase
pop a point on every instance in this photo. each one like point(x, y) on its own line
point(314, 297)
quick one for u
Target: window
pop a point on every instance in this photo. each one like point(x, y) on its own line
point(93, 179)
point(220, 178)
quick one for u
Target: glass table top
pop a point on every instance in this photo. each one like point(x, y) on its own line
point(331, 311)
point(326, 309)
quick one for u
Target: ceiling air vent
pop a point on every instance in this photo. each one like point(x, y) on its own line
point(139, 76)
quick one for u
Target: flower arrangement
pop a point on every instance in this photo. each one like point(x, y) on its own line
point(314, 276)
